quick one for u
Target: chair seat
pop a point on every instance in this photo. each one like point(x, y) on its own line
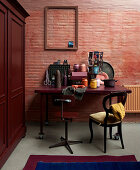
point(100, 116)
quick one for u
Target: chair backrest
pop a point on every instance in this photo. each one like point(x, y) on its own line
point(121, 97)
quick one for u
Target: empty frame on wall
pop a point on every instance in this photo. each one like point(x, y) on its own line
point(61, 28)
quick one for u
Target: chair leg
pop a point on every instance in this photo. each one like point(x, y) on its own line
point(72, 142)
point(69, 148)
point(58, 144)
point(105, 134)
point(110, 132)
point(91, 130)
point(120, 133)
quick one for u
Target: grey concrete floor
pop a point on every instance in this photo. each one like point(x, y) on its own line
point(77, 131)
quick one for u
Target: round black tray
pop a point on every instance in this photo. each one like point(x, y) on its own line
point(108, 69)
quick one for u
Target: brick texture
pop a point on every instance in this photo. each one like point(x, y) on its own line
point(109, 26)
point(64, 28)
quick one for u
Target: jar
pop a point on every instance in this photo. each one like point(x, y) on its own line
point(85, 82)
point(93, 83)
point(83, 68)
point(76, 67)
point(98, 82)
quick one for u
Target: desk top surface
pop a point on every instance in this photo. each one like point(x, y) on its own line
point(101, 90)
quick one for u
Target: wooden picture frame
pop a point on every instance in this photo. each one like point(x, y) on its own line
point(46, 31)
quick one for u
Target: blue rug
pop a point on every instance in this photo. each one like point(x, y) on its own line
point(34, 159)
point(89, 166)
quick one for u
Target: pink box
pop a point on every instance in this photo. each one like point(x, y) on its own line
point(78, 75)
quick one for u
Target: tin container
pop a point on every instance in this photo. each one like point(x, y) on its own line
point(83, 68)
point(93, 83)
point(76, 67)
point(85, 82)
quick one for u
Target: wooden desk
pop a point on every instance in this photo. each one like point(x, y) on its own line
point(45, 90)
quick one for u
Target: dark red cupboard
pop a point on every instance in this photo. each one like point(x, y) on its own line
point(12, 76)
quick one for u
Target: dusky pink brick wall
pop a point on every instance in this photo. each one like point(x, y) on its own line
point(64, 28)
point(109, 26)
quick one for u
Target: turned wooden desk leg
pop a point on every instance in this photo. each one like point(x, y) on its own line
point(41, 134)
point(46, 121)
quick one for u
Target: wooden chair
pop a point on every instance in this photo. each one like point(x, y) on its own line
point(64, 140)
point(106, 118)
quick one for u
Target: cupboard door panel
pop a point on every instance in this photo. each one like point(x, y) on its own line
point(3, 77)
point(15, 118)
point(2, 127)
point(16, 60)
point(15, 77)
point(3, 51)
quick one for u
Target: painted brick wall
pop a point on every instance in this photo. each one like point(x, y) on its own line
point(60, 26)
point(110, 26)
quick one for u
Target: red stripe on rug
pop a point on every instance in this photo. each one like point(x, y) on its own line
point(33, 159)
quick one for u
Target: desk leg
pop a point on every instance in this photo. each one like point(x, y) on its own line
point(46, 121)
point(41, 134)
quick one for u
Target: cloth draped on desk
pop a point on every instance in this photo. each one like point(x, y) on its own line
point(118, 111)
point(88, 166)
point(78, 93)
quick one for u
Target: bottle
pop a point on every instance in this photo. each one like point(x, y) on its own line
point(65, 79)
point(65, 62)
point(58, 79)
point(101, 61)
point(90, 56)
point(90, 65)
point(93, 83)
point(69, 81)
point(98, 82)
point(96, 63)
point(53, 81)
